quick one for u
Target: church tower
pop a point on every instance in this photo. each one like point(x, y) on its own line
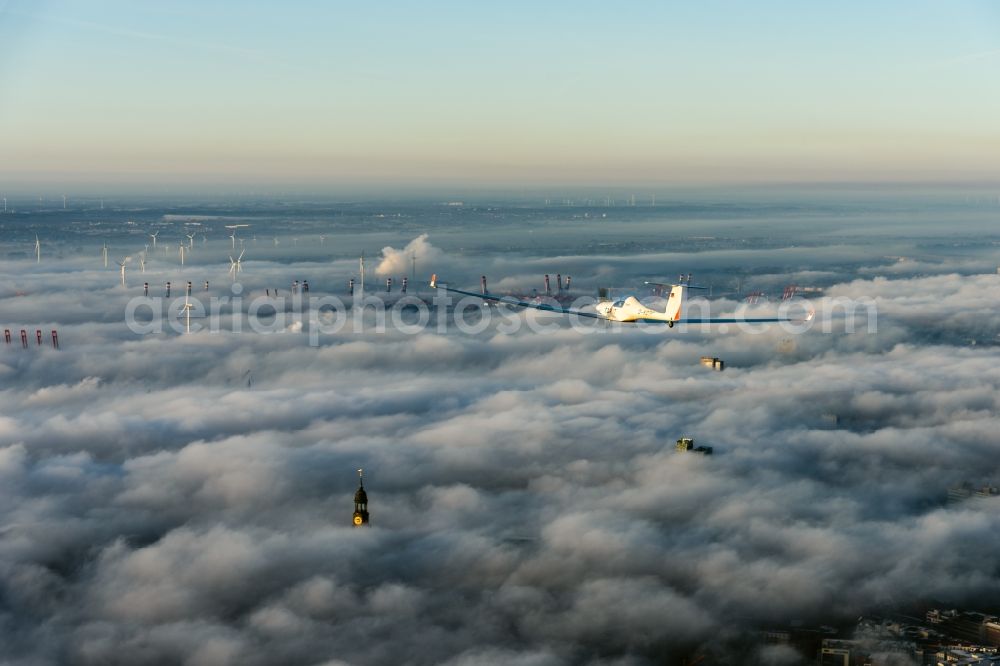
point(361, 502)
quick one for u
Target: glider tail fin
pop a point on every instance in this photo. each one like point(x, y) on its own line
point(675, 302)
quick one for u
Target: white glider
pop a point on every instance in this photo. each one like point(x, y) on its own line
point(629, 310)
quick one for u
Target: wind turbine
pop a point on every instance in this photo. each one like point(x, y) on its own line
point(234, 265)
point(153, 236)
point(362, 271)
point(180, 247)
point(38, 250)
point(104, 251)
point(142, 262)
point(234, 227)
point(190, 241)
point(121, 264)
point(187, 312)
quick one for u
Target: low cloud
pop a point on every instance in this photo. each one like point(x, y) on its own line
point(527, 502)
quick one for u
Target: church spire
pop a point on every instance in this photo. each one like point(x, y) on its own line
point(361, 502)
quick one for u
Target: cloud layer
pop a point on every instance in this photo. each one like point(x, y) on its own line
point(527, 503)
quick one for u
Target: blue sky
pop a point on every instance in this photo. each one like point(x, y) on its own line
point(514, 92)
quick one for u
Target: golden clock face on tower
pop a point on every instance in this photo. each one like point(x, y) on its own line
point(357, 520)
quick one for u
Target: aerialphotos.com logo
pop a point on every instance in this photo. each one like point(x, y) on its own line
point(411, 315)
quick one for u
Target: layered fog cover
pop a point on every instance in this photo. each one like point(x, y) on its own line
point(173, 497)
